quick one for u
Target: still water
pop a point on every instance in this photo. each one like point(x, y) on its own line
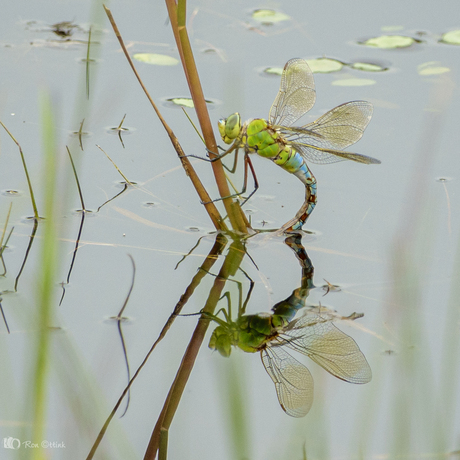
point(383, 239)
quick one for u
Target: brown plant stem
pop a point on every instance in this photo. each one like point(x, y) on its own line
point(229, 267)
point(203, 270)
point(211, 209)
point(177, 16)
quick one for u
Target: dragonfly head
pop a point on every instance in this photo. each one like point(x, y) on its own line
point(229, 128)
point(221, 340)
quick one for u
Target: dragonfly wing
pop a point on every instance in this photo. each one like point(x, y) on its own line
point(315, 336)
point(322, 140)
point(293, 381)
point(323, 156)
point(296, 95)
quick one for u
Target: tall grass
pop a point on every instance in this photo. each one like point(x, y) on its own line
point(46, 280)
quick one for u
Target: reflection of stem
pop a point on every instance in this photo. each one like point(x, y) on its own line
point(4, 317)
point(83, 213)
point(119, 319)
point(32, 236)
point(229, 268)
point(77, 242)
point(212, 257)
point(3, 246)
point(125, 187)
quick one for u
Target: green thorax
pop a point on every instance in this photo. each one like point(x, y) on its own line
point(262, 139)
point(255, 135)
point(251, 333)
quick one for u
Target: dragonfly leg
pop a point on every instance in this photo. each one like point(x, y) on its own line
point(247, 161)
point(217, 156)
point(307, 177)
point(242, 307)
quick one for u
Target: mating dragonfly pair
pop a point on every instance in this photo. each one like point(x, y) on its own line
point(290, 147)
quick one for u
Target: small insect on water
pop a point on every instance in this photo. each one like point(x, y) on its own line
point(290, 147)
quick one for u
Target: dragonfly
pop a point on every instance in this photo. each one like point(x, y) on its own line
point(290, 147)
point(312, 334)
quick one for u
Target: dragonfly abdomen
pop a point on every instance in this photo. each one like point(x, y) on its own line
point(291, 161)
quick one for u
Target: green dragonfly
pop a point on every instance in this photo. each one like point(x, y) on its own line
point(311, 333)
point(321, 141)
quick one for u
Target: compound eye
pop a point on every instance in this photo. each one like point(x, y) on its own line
point(221, 125)
point(233, 126)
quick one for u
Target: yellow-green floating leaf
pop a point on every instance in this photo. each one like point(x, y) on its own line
point(354, 82)
point(274, 70)
point(324, 65)
point(390, 41)
point(269, 16)
point(184, 101)
point(367, 67)
point(432, 68)
point(155, 59)
point(434, 71)
point(451, 38)
point(391, 28)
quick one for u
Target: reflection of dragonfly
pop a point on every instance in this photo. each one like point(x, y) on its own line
point(312, 334)
point(321, 141)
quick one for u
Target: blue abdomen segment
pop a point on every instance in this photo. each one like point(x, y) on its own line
point(292, 162)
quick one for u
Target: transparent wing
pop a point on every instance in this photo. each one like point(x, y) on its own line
point(322, 140)
point(314, 335)
point(323, 156)
point(293, 381)
point(296, 95)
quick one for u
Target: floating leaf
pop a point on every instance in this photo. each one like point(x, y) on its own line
point(184, 102)
point(320, 65)
point(269, 16)
point(325, 65)
point(155, 59)
point(432, 68)
point(368, 67)
point(392, 28)
point(434, 71)
point(390, 41)
point(354, 82)
point(451, 38)
point(274, 70)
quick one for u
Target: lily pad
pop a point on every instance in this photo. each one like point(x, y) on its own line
point(267, 16)
point(368, 67)
point(390, 41)
point(451, 38)
point(183, 102)
point(274, 70)
point(354, 82)
point(320, 65)
point(432, 68)
point(155, 59)
point(392, 28)
point(325, 65)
